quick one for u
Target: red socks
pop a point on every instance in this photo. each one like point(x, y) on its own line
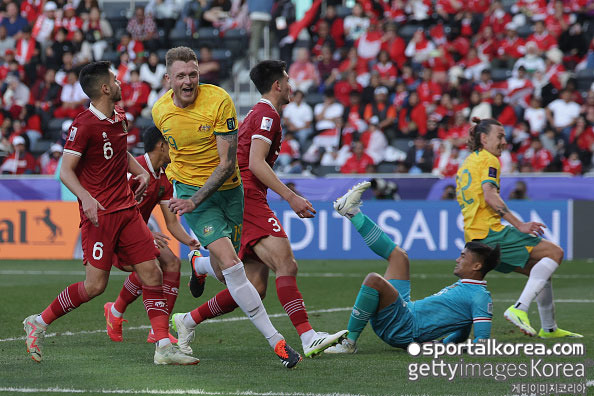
point(170, 288)
point(292, 302)
point(156, 308)
point(130, 292)
point(220, 304)
point(70, 298)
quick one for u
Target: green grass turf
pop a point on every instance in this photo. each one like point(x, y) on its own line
point(234, 356)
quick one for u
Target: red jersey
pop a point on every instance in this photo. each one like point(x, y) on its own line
point(262, 122)
point(100, 142)
point(159, 190)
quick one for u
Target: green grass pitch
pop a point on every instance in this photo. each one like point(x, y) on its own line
point(236, 360)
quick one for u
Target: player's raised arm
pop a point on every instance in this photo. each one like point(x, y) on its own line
point(260, 168)
point(141, 175)
point(68, 177)
point(494, 200)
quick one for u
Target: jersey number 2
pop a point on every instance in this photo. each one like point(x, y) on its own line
point(461, 188)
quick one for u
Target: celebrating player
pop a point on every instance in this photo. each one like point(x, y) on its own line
point(200, 125)
point(385, 300)
point(264, 244)
point(522, 248)
point(94, 168)
point(159, 192)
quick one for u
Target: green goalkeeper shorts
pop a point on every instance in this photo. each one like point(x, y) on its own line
point(220, 216)
point(515, 247)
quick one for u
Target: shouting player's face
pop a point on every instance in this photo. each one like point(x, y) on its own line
point(494, 141)
point(184, 77)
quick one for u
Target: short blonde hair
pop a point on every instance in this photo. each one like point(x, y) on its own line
point(183, 54)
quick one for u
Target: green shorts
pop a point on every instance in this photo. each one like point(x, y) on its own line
point(220, 216)
point(515, 247)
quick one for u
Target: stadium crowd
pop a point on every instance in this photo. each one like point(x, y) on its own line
point(385, 87)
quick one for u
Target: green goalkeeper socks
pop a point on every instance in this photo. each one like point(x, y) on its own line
point(374, 236)
point(365, 307)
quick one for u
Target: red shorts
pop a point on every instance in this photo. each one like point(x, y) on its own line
point(123, 235)
point(258, 222)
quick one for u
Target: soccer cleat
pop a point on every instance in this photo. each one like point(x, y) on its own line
point(151, 339)
point(351, 200)
point(520, 319)
point(113, 323)
point(322, 341)
point(288, 356)
point(185, 335)
point(197, 281)
point(559, 333)
point(170, 354)
point(35, 334)
point(346, 346)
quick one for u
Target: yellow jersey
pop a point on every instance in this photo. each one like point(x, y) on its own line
point(190, 133)
point(479, 167)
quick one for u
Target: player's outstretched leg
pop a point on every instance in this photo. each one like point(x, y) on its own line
point(275, 252)
point(114, 312)
point(35, 325)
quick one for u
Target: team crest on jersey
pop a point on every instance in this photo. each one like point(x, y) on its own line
point(207, 230)
point(266, 123)
point(204, 128)
point(125, 126)
point(231, 124)
point(104, 134)
point(72, 134)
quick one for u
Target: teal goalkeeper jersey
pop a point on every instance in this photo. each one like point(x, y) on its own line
point(453, 310)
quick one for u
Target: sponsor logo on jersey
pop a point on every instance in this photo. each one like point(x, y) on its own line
point(231, 124)
point(266, 123)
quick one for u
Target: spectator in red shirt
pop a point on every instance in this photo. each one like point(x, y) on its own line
point(20, 161)
point(344, 87)
point(510, 48)
point(135, 94)
point(45, 96)
point(358, 162)
point(336, 25)
point(321, 38)
point(537, 156)
point(412, 120)
point(428, 90)
point(394, 44)
point(302, 72)
point(581, 140)
point(385, 69)
point(572, 164)
point(544, 41)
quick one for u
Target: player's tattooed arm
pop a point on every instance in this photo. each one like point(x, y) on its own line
point(227, 148)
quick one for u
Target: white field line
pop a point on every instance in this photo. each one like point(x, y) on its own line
point(301, 274)
point(164, 392)
point(241, 318)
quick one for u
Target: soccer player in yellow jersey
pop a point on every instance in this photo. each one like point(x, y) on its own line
point(200, 124)
point(522, 248)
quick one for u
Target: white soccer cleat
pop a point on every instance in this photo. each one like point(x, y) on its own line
point(35, 335)
point(346, 346)
point(323, 341)
point(350, 201)
point(170, 354)
point(185, 335)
